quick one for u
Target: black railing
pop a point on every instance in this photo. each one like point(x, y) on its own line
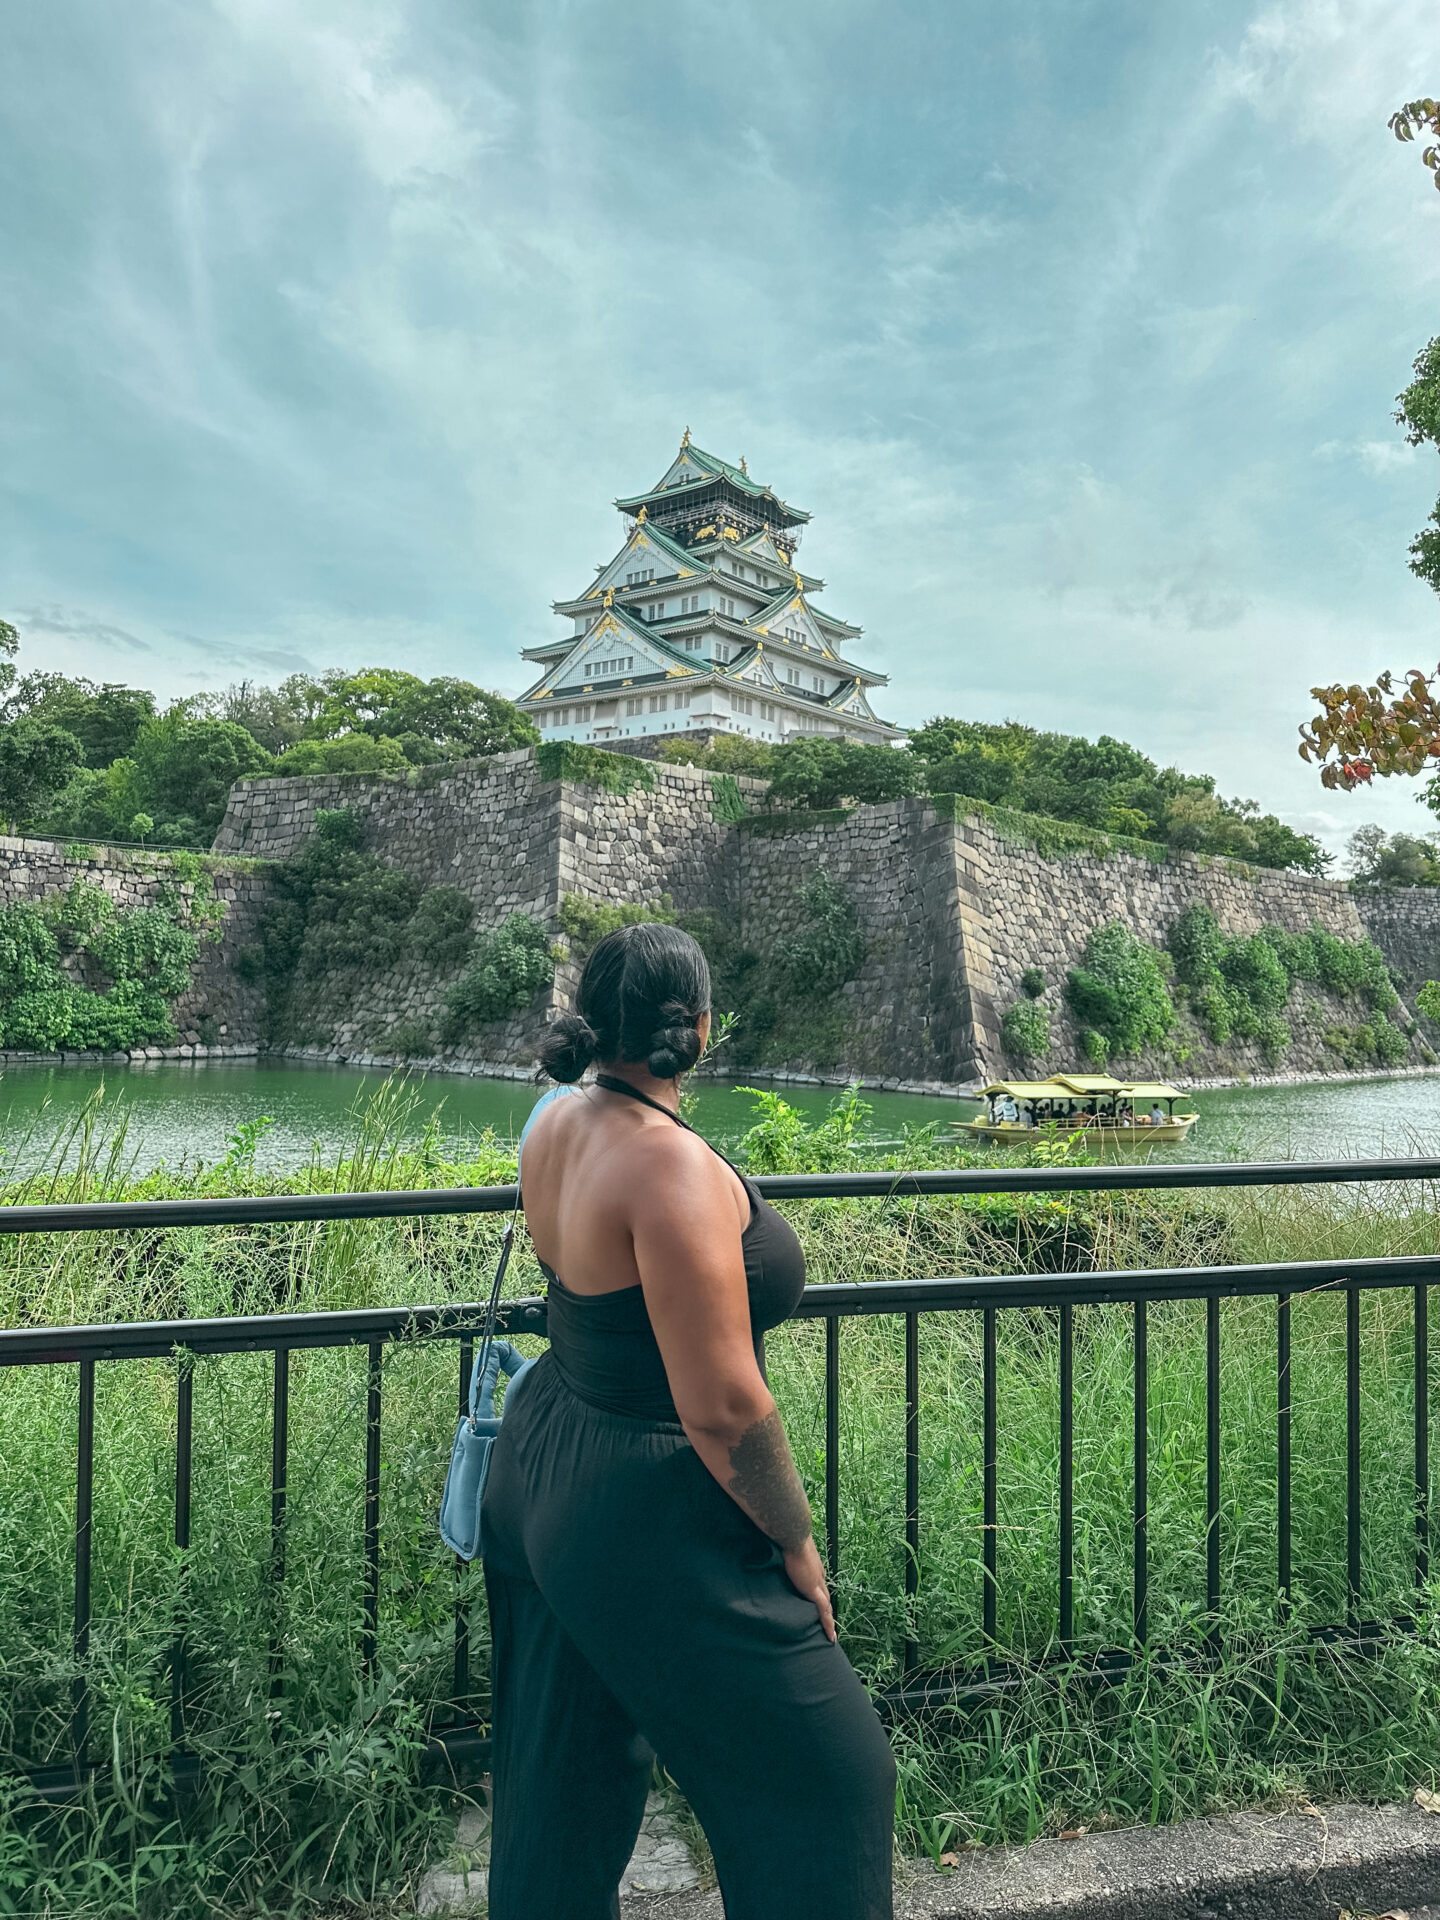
point(280, 1334)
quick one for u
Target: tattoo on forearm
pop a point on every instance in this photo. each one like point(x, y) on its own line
point(765, 1481)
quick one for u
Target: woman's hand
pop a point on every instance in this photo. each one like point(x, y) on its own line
point(807, 1576)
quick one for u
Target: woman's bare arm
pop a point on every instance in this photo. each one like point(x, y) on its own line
point(686, 1227)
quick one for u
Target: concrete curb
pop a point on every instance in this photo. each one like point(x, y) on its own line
point(1317, 1865)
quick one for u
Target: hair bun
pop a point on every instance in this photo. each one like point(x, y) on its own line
point(675, 1043)
point(567, 1047)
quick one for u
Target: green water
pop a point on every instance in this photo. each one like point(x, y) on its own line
point(180, 1113)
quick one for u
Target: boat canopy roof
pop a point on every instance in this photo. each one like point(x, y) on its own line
point(1081, 1086)
point(1023, 1089)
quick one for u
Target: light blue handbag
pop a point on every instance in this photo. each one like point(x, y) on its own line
point(479, 1427)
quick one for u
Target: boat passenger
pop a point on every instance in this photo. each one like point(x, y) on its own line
point(1157, 1115)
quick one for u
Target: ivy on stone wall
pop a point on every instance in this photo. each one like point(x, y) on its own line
point(727, 803)
point(1048, 837)
point(1025, 1030)
point(592, 767)
point(78, 972)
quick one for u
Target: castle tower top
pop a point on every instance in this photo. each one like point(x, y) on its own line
point(700, 495)
point(704, 618)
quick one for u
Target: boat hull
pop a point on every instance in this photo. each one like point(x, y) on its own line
point(1014, 1133)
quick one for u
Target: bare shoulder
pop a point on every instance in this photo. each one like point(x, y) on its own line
point(674, 1166)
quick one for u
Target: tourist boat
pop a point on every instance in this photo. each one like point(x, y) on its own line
point(1124, 1112)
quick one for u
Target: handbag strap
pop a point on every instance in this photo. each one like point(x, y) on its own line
point(492, 1308)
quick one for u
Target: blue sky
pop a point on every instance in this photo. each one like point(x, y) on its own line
point(333, 327)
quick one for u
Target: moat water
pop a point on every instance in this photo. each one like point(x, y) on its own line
point(179, 1113)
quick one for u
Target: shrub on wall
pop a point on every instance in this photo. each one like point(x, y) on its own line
point(1032, 983)
point(1119, 990)
point(592, 767)
point(440, 931)
point(510, 965)
point(727, 803)
point(827, 949)
point(586, 922)
point(337, 907)
point(1239, 985)
point(126, 966)
point(1025, 1030)
point(788, 1003)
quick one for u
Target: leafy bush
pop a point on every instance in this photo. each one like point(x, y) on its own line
point(1120, 990)
point(128, 964)
point(1032, 982)
point(592, 767)
point(347, 753)
point(1095, 1045)
point(1025, 1030)
point(586, 922)
point(1354, 966)
point(440, 929)
point(819, 772)
point(1196, 944)
point(1427, 1001)
point(726, 753)
point(1252, 971)
point(511, 964)
point(827, 949)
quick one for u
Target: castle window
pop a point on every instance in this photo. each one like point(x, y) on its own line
point(659, 702)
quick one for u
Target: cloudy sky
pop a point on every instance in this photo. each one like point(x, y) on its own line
point(332, 328)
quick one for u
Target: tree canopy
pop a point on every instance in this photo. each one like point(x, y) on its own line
point(131, 772)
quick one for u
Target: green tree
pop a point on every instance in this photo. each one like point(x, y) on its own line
point(820, 772)
point(182, 770)
point(346, 753)
point(1379, 859)
point(1417, 409)
point(105, 719)
point(36, 761)
point(443, 718)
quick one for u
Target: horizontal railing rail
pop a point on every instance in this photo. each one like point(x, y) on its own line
point(288, 1209)
point(281, 1334)
point(263, 1332)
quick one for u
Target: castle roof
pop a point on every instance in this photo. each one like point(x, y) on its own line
point(709, 469)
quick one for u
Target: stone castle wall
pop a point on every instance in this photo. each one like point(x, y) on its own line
point(513, 843)
point(1404, 922)
point(951, 912)
point(1021, 909)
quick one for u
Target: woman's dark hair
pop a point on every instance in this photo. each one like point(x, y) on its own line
point(641, 993)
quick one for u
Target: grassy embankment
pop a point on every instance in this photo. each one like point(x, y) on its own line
point(331, 1811)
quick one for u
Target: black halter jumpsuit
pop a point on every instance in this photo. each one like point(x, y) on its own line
point(635, 1607)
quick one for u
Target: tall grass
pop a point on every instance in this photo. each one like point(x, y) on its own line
point(315, 1796)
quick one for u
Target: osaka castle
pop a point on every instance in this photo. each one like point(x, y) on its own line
point(703, 620)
